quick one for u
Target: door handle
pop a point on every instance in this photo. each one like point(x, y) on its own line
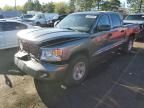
point(92, 37)
point(122, 31)
point(109, 35)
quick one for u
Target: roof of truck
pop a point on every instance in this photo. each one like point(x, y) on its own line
point(95, 12)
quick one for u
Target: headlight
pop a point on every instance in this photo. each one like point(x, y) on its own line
point(51, 54)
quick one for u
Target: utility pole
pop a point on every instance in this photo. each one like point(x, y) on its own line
point(15, 5)
point(140, 8)
point(98, 4)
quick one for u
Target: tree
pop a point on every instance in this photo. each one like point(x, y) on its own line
point(136, 5)
point(8, 8)
point(20, 8)
point(105, 6)
point(29, 6)
point(61, 8)
point(85, 5)
point(98, 3)
point(72, 6)
point(49, 7)
point(114, 5)
point(37, 5)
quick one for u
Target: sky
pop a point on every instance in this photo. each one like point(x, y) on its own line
point(22, 2)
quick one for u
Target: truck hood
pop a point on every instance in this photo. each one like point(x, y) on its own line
point(40, 35)
point(134, 21)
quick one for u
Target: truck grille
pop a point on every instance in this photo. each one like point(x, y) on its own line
point(32, 49)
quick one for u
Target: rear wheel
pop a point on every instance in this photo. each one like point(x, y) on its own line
point(127, 48)
point(77, 70)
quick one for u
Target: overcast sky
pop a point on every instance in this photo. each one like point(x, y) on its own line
point(21, 2)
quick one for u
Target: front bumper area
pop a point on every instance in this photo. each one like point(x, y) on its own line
point(40, 70)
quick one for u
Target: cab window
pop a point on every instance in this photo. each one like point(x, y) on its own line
point(104, 20)
point(116, 21)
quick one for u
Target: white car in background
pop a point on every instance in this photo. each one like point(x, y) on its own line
point(42, 19)
point(8, 32)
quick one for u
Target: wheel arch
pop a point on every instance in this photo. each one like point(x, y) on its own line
point(84, 52)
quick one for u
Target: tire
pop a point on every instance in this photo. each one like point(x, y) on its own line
point(77, 70)
point(38, 24)
point(127, 48)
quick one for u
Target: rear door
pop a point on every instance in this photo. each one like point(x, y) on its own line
point(117, 31)
point(10, 31)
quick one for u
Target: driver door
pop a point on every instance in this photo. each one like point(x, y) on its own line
point(99, 39)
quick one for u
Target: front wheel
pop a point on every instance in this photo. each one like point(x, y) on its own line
point(38, 24)
point(77, 70)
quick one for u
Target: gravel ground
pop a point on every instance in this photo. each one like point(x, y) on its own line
point(16, 91)
point(21, 93)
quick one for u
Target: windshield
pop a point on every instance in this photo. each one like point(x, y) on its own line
point(135, 17)
point(37, 16)
point(28, 16)
point(79, 22)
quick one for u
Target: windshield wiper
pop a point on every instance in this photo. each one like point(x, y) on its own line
point(70, 29)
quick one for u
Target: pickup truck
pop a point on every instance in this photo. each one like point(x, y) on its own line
point(67, 51)
point(136, 19)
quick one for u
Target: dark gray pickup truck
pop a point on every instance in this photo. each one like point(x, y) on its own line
point(66, 51)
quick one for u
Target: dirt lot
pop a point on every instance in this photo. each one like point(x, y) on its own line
point(16, 91)
point(118, 83)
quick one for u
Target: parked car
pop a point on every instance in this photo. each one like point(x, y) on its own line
point(8, 32)
point(1, 17)
point(78, 41)
point(136, 19)
point(56, 19)
point(26, 17)
point(42, 19)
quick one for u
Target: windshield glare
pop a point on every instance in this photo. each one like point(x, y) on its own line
point(135, 17)
point(78, 22)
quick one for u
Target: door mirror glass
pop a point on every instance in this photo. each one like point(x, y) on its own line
point(56, 23)
point(103, 27)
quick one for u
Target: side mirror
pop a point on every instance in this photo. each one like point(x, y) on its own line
point(103, 27)
point(56, 23)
